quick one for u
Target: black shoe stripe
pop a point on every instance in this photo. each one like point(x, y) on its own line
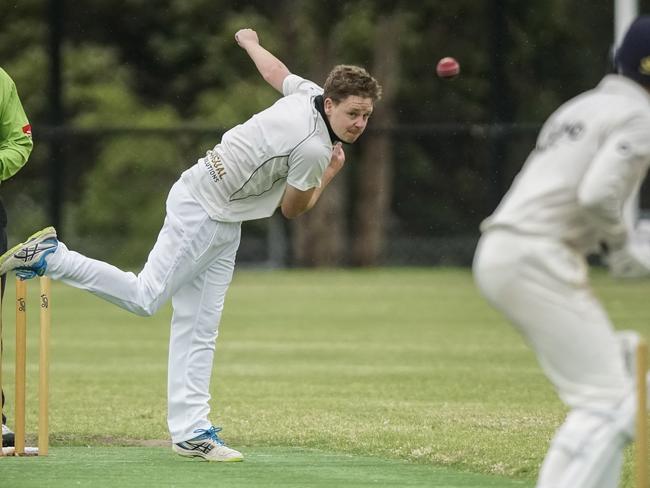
point(204, 447)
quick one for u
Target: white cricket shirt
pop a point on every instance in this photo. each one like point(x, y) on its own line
point(245, 175)
point(590, 155)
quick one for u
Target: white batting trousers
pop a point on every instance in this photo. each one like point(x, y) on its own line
point(541, 285)
point(192, 263)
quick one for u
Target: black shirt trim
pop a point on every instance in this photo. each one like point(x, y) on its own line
point(319, 103)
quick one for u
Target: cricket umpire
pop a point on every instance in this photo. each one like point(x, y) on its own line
point(15, 147)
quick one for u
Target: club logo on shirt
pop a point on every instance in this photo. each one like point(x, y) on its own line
point(644, 66)
point(27, 130)
point(555, 133)
point(215, 166)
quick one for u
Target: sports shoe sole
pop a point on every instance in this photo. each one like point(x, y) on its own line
point(192, 454)
point(47, 233)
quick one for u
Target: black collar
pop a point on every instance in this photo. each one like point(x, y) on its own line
point(319, 103)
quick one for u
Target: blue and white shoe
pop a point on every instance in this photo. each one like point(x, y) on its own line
point(209, 446)
point(28, 258)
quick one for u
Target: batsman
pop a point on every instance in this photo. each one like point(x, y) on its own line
point(567, 202)
point(284, 156)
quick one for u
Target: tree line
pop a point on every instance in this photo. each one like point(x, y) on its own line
point(422, 170)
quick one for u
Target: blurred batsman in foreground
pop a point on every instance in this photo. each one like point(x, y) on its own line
point(284, 156)
point(530, 263)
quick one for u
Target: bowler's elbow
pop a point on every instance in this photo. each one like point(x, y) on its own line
point(296, 202)
point(291, 213)
point(289, 216)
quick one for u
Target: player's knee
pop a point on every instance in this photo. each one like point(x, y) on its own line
point(146, 306)
point(149, 308)
point(590, 424)
point(149, 297)
point(144, 312)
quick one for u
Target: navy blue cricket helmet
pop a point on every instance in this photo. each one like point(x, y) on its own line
point(633, 56)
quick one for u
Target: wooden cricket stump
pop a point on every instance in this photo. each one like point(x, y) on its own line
point(21, 371)
point(641, 447)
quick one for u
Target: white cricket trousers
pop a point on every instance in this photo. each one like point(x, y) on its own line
point(541, 285)
point(192, 262)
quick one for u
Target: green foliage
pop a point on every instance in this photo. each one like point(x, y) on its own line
point(114, 217)
point(121, 204)
point(232, 105)
point(177, 63)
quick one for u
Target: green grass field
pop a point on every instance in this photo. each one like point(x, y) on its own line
point(390, 377)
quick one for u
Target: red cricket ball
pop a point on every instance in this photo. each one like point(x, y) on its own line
point(447, 68)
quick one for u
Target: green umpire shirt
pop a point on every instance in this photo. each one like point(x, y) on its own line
point(15, 132)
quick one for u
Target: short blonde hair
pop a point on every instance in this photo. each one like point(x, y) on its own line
point(346, 80)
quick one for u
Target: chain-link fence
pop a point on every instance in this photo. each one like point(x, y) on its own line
point(108, 187)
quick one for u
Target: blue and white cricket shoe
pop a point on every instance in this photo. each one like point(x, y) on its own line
point(209, 446)
point(28, 258)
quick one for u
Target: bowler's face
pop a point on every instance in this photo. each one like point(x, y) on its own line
point(349, 117)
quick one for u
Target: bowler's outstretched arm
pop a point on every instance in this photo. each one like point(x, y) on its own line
point(271, 68)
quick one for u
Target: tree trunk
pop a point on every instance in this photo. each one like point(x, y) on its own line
point(375, 175)
point(319, 236)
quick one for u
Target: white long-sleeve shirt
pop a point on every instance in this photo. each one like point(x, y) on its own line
point(590, 155)
point(245, 175)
